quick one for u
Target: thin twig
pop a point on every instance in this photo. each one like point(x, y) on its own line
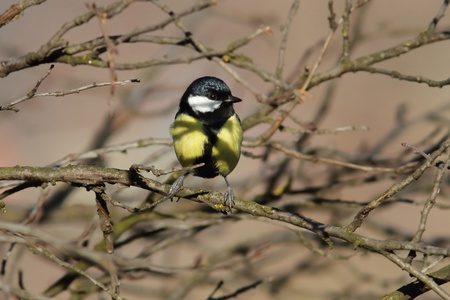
point(345, 54)
point(48, 254)
point(101, 197)
point(439, 15)
point(40, 241)
point(236, 292)
point(412, 78)
point(313, 158)
point(21, 293)
point(119, 148)
point(284, 34)
point(32, 94)
point(431, 200)
point(111, 49)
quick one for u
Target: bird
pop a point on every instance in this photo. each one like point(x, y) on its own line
point(207, 130)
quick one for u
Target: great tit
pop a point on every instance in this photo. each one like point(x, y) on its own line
point(207, 130)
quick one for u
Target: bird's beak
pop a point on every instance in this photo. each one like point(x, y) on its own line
point(233, 99)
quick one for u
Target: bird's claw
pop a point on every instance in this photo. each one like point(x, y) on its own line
point(176, 186)
point(229, 197)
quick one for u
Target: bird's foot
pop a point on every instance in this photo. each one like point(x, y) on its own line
point(176, 186)
point(229, 197)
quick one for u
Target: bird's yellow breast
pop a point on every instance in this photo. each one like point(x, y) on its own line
point(190, 139)
point(227, 149)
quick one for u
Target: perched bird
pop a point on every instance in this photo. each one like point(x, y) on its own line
point(207, 130)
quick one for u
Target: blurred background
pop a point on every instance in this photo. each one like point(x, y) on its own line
point(49, 128)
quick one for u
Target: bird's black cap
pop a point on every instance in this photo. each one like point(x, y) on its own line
point(211, 87)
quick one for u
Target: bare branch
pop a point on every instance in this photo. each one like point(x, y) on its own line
point(412, 78)
point(14, 11)
point(32, 94)
point(313, 158)
point(299, 181)
point(439, 15)
point(431, 200)
point(364, 212)
point(420, 276)
point(282, 50)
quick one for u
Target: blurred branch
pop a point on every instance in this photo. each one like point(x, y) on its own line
point(439, 15)
point(37, 240)
point(111, 49)
point(101, 197)
point(20, 293)
point(15, 10)
point(285, 30)
point(44, 252)
point(235, 293)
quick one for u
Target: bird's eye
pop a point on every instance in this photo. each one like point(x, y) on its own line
point(213, 96)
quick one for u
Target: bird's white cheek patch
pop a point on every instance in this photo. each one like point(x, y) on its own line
point(203, 104)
